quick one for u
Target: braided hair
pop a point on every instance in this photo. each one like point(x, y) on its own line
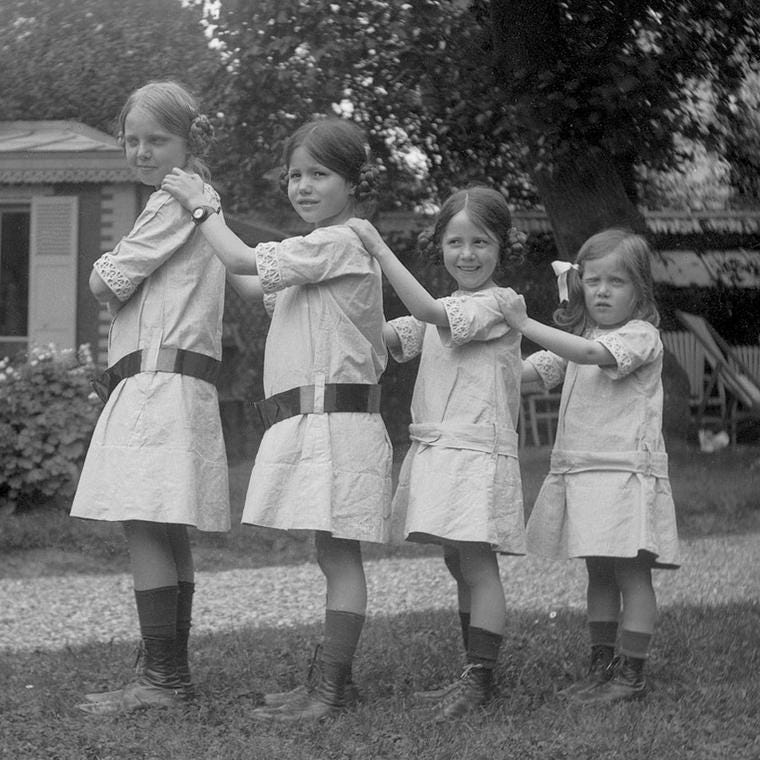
point(488, 209)
point(341, 146)
point(178, 112)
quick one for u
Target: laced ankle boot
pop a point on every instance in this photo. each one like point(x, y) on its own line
point(599, 671)
point(627, 683)
point(473, 690)
point(158, 684)
point(279, 698)
point(327, 697)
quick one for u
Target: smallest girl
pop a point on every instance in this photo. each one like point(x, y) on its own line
point(459, 485)
point(607, 497)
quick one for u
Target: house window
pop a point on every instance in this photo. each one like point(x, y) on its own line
point(14, 279)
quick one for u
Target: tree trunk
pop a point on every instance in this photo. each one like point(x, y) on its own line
point(582, 198)
point(582, 194)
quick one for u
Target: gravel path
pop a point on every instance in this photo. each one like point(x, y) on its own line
point(71, 610)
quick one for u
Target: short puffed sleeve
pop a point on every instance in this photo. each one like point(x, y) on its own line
point(161, 229)
point(633, 345)
point(325, 254)
point(411, 333)
point(475, 316)
point(550, 368)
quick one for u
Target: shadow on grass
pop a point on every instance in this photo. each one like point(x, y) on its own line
point(704, 702)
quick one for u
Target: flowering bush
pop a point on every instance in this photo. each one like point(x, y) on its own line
point(47, 415)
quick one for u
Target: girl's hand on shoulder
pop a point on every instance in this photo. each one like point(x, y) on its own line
point(186, 188)
point(512, 306)
point(369, 236)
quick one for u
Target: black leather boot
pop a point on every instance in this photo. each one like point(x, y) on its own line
point(435, 695)
point(158, 684)
point(473, 690)
point(627, 682)
point(279, 698)
point(325, 697)
point(187, 686)
point(599, 671)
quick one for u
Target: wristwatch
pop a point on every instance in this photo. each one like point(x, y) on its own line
point(201, 213)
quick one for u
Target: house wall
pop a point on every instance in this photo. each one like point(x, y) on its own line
point(89, 241)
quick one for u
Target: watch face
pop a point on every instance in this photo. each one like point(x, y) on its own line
point(198, 213)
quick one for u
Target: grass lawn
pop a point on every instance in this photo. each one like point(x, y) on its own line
point(705, 703)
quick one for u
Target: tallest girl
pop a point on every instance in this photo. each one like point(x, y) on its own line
point(324, 462)
point(157, 461)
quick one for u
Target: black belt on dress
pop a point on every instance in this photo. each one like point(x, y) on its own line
point(178, 360)
point(338, 397)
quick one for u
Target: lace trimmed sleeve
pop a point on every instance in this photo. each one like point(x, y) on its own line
point(268, 265)
point(550, 368)
point(459, 325)
point(410, 332)
point(270, 300)
point(109, 271)
point(472, 317)
point(635, 344)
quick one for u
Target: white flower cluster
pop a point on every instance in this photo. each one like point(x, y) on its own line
point(76, 361)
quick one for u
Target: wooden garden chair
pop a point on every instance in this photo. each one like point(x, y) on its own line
point(728, 371)
point(690, 356)
point(539, 412)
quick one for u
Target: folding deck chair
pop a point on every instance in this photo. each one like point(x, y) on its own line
point(690, 355)
point(728, 371)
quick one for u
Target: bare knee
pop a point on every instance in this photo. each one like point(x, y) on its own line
point(478, 565)
point(337, 554)
point(452, 562)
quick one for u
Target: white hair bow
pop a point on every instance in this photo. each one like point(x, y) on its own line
point(561, 268)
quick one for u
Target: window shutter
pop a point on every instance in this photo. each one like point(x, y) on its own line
point(53, 271)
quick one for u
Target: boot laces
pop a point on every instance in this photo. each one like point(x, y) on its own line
point(139, 657)
point(624, 671)
point(468, 669)
point(312, 674)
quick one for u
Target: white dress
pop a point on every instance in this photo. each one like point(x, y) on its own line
point(327, 472)
point(157, 453)
point(460, 480)
point(607, 493)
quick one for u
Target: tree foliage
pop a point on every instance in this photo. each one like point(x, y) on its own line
point(450, 91)
point(626, 75)
point(596, 87)
point(742, 139)
point(79, 59)
point(484, 90)
point(415, 75)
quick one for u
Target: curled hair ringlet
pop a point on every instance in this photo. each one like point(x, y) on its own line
point(177, 111)
point(200, 136)
point(426, 246)
point(341, 146)
point(488, 209)
point(283, 179)
point(366, 187)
